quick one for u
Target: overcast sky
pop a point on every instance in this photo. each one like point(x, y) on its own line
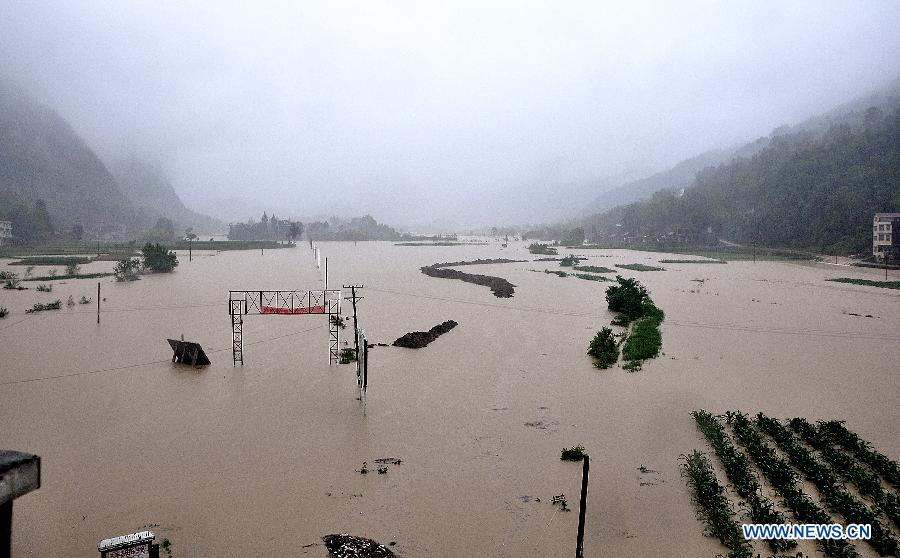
point(417, 111)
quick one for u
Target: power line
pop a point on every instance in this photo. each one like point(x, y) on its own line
point(725, 327)
point(142, 364)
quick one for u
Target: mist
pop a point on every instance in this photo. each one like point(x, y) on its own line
point(435, 116)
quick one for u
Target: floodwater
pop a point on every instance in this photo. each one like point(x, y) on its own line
point(263, 459)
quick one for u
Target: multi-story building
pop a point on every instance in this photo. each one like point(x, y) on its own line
point(886, 236)
point(5, 232)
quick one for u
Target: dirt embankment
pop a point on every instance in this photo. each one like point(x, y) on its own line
point(419, 339)
point(499, 286)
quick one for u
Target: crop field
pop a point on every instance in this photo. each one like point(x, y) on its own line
point(791, 471)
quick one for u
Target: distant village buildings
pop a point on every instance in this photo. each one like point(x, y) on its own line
point(5, 232)
point(886, 236)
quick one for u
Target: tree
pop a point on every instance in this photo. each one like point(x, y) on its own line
point(295, 231)
point(127, 269)
point(604, 348)
point(189, 234)
point(77, 232)
point(627, 297)
point(158, 258)
point(163, 230)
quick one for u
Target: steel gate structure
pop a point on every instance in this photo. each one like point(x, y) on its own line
point(290, 303)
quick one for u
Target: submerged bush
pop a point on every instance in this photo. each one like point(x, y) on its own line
point(644, 341)
point(127, 269)
point(569, 261)
point(545, 249)
point(627, 297)
point(41, 307)
point(575, 453)
point(604, 349)
point(3, 312)
point(158, 258)
point(45, 288)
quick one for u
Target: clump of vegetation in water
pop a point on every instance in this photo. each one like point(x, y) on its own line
point(570, 261)
point(158, 259)
point(575, 453)
point(640, 267)
point(604, 349)
point(644, 341)
point(3, 312)
point(589, 277)
point(10, 280)
point(127, 269)
point(560, 500)
point(557, 273)
point(849, 468)
point(543, 249)
point(72, 269)
point(45, 288)
point(868, 282)
point(713, 506)
point(839, 434)
point(633, 303)
point(594, 269)
point(347, 355)
point(338, 321)
point(166, 545)
point(84, 300)
point(41, 307)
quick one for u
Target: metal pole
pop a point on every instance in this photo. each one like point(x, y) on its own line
point(326, 272)
point(190, 253)
point(98, 302)
point(6, 529)
point(579, 545)
point(355, 328)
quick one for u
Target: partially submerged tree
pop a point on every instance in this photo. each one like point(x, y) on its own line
point(604, 348)
point(158, 258)
point(127, 269)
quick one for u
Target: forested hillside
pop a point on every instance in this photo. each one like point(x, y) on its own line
point(815, 188)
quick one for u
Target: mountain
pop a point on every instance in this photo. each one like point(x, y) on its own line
point(148, 189)
point(674, 179)
point(41, 157)
point(51, 181)
point(814, 186)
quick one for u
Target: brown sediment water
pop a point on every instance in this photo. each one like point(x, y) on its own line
point(264, 458)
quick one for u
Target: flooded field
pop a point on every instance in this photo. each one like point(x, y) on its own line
point(263, 459)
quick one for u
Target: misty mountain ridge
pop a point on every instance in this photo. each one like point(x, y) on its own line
point(43, 158)
point(813, 186)
point(148, 189)
point(683, 174)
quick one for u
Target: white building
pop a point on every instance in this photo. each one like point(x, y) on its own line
point(885, 231)
point(5, 232)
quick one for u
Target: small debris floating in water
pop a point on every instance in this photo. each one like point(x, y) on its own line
point(348, 546)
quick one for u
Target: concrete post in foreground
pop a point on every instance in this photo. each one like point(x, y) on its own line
point(20, 473)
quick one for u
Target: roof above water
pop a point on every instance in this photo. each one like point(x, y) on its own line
point(125, 540)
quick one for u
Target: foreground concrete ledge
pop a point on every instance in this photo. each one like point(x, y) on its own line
point(20, 473)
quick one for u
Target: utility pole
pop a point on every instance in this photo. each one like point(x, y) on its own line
point(582, 508)
point(98, 302)
point(326, 273)
point(353, 299)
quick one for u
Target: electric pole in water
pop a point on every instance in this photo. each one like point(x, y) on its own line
point(353, 299)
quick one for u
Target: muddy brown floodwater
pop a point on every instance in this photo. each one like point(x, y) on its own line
point(263, 459)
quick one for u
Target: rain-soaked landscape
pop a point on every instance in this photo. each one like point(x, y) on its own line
point(461, 439)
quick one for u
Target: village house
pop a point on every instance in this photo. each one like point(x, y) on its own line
point(886, 236)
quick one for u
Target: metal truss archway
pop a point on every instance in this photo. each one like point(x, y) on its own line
point(283, 303)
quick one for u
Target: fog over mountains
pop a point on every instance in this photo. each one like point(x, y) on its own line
point(430, 118)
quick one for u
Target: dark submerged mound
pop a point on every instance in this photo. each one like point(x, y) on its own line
point(499, 286)
point(419, 339)
point(348, 546)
